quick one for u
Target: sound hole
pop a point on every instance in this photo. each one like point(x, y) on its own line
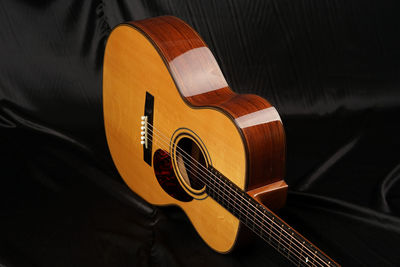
point(191, 163)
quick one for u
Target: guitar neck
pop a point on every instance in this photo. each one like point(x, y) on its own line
point(265, 223)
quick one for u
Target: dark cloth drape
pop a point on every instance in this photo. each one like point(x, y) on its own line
point(331, 68)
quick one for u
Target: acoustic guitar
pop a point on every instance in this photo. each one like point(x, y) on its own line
point(179, 135)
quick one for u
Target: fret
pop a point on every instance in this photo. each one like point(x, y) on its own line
point(313, 259)
point(233, 203)
point(245, 212)
point(235, 209)
point(210, 192)
point(271, 225)
point(265, 224)
point(241, 216)
point(290, 243)
point(301, 254)
point(255, 209)
point(280, 236)
point(223, 194)
point(220, 192)
point(226, 194)
point(213, 189)
point(275, 245)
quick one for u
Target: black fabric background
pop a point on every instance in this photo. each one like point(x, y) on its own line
point(331, 68)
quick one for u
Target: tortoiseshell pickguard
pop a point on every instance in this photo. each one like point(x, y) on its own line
point(166, 176)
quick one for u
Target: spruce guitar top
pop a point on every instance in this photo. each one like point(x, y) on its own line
point(179, 135)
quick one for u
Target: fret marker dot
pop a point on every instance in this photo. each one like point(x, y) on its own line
point(306, 259)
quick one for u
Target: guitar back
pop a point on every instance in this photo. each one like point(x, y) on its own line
point(170, 115)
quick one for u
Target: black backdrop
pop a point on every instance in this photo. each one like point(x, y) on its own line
point(330, 67)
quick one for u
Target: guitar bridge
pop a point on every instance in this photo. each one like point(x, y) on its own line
point(146, 128)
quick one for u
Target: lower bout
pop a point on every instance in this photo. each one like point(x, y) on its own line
point(216, 226)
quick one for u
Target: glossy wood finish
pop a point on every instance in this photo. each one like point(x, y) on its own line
point(272, 195)
point(265, 143)
point(134, 64)
point(165, 57)
point(132, 67)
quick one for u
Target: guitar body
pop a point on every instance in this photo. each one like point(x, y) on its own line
point(161, 69)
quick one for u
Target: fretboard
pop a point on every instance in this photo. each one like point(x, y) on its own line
point(264, 222)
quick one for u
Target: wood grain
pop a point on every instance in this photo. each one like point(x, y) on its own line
point(155, 55)
point(133, 66)
point(266, 143)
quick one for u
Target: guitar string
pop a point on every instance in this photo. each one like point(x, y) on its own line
point(167, 143)
point(313, 254)
point(296, 256)
point(288, 256)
